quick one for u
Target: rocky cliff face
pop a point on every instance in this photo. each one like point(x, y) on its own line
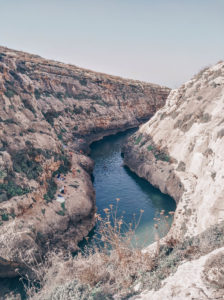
point(180, 150)
point(49, 114)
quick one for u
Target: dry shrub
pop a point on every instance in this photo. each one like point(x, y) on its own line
point(113, 263)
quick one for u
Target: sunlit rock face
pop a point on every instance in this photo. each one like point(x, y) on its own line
point(49, 114)
point(180, 150)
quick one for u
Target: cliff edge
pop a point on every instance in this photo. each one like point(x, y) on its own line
point(49, 114)
point(180, 151)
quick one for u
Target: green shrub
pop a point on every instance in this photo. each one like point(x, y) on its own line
point(51, 190)
point(60, 137)
point(60, 213)
point(5, 217)
point(37, 94)
point(162, 156)
point(150, 148)
point(138, 139)
point(63, 206)
point(9, 93)
point(77, 109)
point(65, 165)
point(31, 130)
point(50, 116)
point(47, 94)
point(3, 173)
point(59, 95)
point(83, 81)
point(24, 162)
point(12, 189)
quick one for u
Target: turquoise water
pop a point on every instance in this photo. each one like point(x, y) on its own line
point(113, 180)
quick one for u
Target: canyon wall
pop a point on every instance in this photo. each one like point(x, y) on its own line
point(49, 114)
point(180, 151)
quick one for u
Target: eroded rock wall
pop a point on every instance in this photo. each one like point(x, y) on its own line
point(49, 114)
point(180, 150)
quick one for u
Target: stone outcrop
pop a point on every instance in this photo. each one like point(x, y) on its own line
point(180, 151)
point(49, 114)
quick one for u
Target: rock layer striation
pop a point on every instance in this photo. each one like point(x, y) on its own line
point(180, 151)
point(49, 114)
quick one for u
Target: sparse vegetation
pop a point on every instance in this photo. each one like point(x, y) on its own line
point(5, 217)
point(12, 189)
point(113, 265)
point(51, 190)
point(37, 94)
point(59, 95)
point(24, 162)
point(77, 109)
point(50, 116)
point(9, 93)
point(138, 139)
point(60, 212)
point(150, 148)
point(28, 105)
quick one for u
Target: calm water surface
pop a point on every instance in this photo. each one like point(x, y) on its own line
point(113, 180)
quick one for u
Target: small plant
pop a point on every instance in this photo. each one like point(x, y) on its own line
point(37, 94)
point(31, 130)
point(9, 93)
point(3, 173)
point(50, 116)
point(77, 109)
point(150, 148)
point(59, 95)
point(12, 189)
point(5, 217)
point(63, 206)
point(60, 137)
point(51, 190)
point(138, 139)
point(60, 212)
point(83, 81)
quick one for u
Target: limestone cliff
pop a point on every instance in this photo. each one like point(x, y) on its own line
point(49, 114)
point(180, 150)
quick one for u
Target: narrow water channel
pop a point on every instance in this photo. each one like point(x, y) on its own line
point(113, 180)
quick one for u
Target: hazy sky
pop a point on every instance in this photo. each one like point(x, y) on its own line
point(160, 41)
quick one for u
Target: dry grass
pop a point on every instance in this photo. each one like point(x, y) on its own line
point(113, 264)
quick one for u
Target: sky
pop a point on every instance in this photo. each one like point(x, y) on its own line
point(158, 41)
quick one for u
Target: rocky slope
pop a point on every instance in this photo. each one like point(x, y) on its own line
point(49, 114)
point(180, 150)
